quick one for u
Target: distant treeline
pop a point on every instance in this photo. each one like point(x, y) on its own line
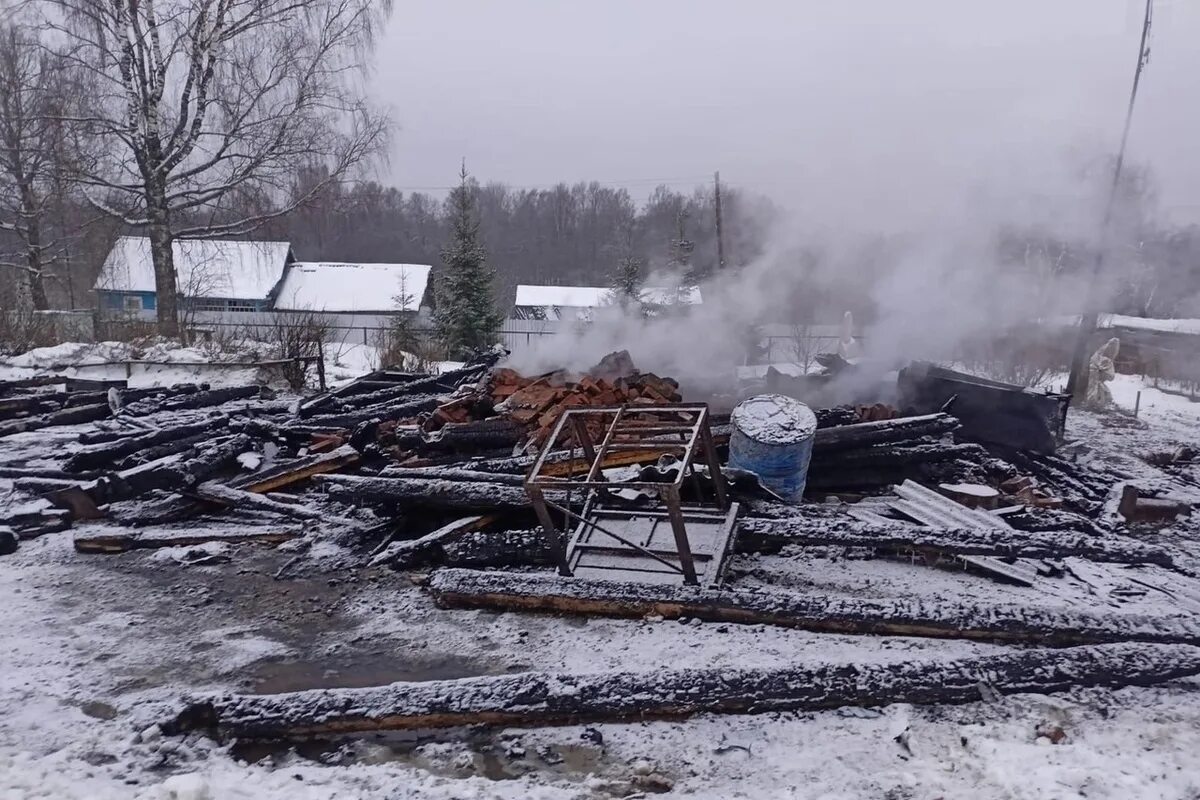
point(569, 235)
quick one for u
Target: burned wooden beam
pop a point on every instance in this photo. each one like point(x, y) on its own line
point(531, 699)
point(201, 399)
point(471, 437)
point(901, 538)
point(438, 385)
point(427, 549)
point(462, 588)
point(109, 541)
point(229, 497)
point(177, 471)
point(449, 474)
point(884, 456)
point(428, 493)
point(297, 470)
point(100, 455)
point(865, 434)
point(401, 409)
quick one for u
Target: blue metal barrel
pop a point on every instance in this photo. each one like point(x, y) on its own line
point(773, 438)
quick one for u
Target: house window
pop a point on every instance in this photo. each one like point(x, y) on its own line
point(243, 305)
point(132, 302)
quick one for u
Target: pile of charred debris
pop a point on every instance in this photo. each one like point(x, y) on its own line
point(602, 493)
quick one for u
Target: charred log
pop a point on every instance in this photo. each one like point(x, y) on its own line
point(865, 434)
point(203, 399)
point(458, 588)
point(759, 533)
point(543, 699)
point(103, 454)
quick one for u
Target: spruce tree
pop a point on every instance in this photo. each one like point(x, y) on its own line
point(466, 314)
point(626, 287)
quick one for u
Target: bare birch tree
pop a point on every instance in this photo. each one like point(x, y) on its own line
point(32, 153)
point(201, 103)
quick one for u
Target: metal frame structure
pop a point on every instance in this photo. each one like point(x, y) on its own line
point(680, 430)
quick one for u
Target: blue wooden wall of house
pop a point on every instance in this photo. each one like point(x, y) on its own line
point(146, 301)
point(127, 301)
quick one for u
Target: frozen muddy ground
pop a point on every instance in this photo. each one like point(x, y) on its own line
point(93, 646)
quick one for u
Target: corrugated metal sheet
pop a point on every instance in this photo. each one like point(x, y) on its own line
point(930, 508)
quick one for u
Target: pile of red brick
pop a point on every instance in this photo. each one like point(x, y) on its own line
point(537, 402)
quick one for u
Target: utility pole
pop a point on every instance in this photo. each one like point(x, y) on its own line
point(720, 231)
point(1077, 383)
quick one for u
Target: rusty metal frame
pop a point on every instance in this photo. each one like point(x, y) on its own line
point(689, 440)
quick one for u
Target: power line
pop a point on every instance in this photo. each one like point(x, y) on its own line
point(611, 184)
point(1077, 382)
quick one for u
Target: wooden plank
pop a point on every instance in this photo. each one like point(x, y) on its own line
point(299, 470)
point(531, 699)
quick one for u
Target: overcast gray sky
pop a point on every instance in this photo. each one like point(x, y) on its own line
point(885, 105)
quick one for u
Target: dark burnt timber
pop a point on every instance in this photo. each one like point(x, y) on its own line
point(865, 434)
point(204, 399)
point(901, 538)
point(175, 472)
point(468, 437)
point(122, 541)
point(228, 497)
point(426, 493)
point(432, 384)
point(403, 409)
point(879, 457)
point(297, 470)
point(448, 474)
point(990, 411)
point(428, 548)
point(101, 455)
point(496, 549)
point(535, 699)
point(461, 588)
point(67, 416)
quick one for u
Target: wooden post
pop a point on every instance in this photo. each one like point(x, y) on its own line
point(321, 370)
point(720, 229)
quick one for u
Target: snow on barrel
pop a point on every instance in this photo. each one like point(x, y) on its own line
point(773, 438)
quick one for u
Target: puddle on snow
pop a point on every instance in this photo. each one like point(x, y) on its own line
point(455, 753)
point(352, 671)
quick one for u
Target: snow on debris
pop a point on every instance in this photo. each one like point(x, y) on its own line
point(205, 267)
point(358, 288)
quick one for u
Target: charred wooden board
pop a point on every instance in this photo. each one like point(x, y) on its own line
point(428, 493)
point(531, 699)
point(297, 470)
point(99, 455)
point(957, 541)
point(462, 588)
point(865, 434)
point(120, 541)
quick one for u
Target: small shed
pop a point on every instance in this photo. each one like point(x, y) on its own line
point(211, 274)
point(347, 288)
point(579, 302)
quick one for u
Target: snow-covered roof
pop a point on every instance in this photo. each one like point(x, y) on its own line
point(203, 267)
point(328, 286)
point(533, 296)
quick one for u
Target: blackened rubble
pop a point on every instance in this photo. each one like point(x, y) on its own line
point(422, 471)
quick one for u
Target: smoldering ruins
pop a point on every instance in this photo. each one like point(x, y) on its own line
point(922, 505)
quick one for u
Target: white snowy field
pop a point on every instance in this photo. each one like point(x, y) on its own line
point(97, 648)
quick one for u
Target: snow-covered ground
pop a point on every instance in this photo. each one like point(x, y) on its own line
point(95, 647)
